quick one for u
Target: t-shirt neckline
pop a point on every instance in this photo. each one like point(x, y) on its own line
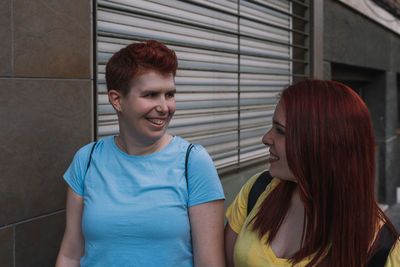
point(116, 148)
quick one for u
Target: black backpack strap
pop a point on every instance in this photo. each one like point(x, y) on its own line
point(90, 157)
point(385, 242)
point(186, 163)
point(256, 190)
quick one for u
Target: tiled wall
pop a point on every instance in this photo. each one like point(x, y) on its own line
point(46, 107)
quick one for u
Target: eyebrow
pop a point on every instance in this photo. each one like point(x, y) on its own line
point(281, 125)
point(156, 91)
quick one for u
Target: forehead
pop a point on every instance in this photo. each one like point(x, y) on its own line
point(279, 114)
point(153, 80)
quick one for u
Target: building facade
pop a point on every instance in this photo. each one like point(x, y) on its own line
point(361, 49)
point(234, 58)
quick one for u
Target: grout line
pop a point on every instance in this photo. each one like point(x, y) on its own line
point(12, 36)
point(31, 219)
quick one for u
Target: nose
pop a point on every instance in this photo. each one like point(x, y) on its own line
point(267, 138)
point(162, 106)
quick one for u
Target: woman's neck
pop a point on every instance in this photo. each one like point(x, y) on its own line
point(131, 147)
point(289, 236)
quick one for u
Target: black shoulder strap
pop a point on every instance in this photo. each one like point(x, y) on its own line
point(256, 190)
point(186, 163)
point(385, 241)
point(90, 157)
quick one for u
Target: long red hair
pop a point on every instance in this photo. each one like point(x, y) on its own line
point(330, 150)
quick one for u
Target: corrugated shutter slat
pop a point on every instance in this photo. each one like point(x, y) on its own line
point(234, 59)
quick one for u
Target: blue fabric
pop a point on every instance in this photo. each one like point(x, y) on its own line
point(135, 207)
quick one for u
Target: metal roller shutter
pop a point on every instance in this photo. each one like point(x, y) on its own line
point(234, 59)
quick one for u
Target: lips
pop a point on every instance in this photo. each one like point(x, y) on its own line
point(272, 157)
point(159, 122)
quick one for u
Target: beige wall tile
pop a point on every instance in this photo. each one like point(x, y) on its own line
point(37, 242)
point(6, 247)
point(5, 38)
point(43, 123)
point(52, 38)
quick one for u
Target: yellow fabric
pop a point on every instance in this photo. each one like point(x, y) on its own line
point(249, 250)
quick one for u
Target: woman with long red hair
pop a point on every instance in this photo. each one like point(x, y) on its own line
point(318, 209)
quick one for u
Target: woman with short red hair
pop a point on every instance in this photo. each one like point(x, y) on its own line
point(318, 207)
point(143, 197)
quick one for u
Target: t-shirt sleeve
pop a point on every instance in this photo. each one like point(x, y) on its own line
point(204, 183)
point(237, 211)
point(394, 256)
point(74, 176)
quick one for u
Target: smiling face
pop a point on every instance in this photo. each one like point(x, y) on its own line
point(145, 112)
point(275, 139)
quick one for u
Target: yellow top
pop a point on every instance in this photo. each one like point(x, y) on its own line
point(249, 250)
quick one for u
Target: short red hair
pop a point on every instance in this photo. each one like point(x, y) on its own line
point(133, 59)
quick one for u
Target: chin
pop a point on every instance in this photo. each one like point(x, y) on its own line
point(273, 172)
point(283, 176)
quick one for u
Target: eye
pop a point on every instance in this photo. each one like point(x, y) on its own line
point(280, 131)
point(170, 95)
point(150, 94)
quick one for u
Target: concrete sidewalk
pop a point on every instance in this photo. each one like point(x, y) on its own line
point(393, 213)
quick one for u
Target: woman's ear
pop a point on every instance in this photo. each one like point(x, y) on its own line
point(115, 98)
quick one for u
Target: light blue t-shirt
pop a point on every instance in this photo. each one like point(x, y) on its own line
point(135, 207)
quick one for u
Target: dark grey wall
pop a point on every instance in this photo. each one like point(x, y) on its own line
point(353, 39)
point(363, 46)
